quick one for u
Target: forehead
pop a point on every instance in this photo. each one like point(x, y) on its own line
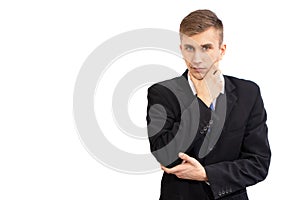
point(210, 36)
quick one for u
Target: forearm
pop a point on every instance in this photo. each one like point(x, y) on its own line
point(175, 137)
point(238, 174)
point(173, 125)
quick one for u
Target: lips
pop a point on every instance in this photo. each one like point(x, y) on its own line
point(199, 69)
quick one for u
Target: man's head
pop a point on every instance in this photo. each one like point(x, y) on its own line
point(201, 35)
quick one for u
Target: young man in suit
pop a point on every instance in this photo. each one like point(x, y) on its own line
point(207, 130)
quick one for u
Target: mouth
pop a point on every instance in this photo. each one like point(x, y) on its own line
point(199, 69)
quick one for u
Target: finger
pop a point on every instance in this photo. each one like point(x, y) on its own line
point(163, 167)
point(186, 158)
point(190, 75)
point(215, 69)
point(217, 74)
point(174, 170)
point(192, 78)
point(216, 64)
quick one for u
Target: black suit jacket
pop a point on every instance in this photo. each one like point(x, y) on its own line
point(239, 158)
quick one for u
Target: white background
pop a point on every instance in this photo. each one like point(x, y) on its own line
point(42, 48)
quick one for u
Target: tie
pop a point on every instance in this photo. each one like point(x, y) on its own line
point(212, 106)
point(204, 147)
point(212, 109)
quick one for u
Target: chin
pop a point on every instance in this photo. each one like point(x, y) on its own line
point(198, 76)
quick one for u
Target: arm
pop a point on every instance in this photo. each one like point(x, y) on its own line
point(253, 163)
point(173, 122)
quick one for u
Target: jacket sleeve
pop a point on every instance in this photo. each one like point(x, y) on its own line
point(252, 166)
point(172, 123)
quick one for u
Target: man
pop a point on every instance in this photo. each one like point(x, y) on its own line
point(206, 129)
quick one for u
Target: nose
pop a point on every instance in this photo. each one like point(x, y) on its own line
point(197, 59)
point(201, 58)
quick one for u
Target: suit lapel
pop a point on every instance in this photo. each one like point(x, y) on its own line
point(182, 90)
point(231, 97)
point(225, 104)
point(180, 86)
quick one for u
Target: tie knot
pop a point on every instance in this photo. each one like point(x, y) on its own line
point(211, 106)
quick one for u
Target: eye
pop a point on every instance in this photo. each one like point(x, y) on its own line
point(205, 48)
point(189, 48)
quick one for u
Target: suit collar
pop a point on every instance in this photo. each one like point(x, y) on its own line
point(185, 74)
point(229, 86)
point(231, 96)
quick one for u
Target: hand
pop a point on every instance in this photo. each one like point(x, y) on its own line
point(190, 169)
point(209, 88)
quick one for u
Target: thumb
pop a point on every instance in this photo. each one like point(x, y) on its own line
point(186, 158)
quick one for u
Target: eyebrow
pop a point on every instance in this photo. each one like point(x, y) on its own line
point(188, 45)
point(208, 45)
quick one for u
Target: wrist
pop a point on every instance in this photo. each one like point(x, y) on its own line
point(204, 176)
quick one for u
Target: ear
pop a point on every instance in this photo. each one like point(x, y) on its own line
point(222, 50)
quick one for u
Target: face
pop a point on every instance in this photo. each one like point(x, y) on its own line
point(201, 52)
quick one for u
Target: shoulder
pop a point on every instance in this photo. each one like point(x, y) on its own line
point(166, 92)
point(165, 86)
point(242, 84)
point(163, 94)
